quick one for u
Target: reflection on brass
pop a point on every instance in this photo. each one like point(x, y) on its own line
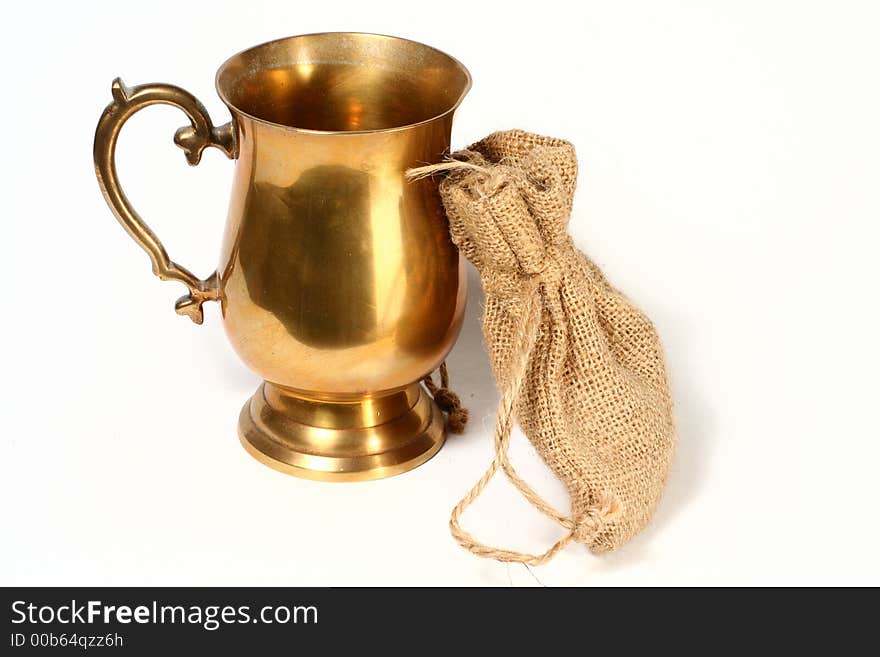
point(334, 201)
point(338, 282)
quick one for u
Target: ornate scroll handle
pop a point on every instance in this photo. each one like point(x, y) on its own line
point(193, 140)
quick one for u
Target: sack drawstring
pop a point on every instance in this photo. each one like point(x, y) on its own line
point(580, 529)
point(585, 526)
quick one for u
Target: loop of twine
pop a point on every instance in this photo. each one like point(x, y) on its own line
point(448, 401)
point(581, 529)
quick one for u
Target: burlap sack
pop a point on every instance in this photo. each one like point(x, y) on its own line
point(578, 365)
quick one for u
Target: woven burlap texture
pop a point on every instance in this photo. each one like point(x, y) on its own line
point(578, 365)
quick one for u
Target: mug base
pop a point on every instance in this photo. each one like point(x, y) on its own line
point(347, 440)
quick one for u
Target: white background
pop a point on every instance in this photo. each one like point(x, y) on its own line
point(729, 184)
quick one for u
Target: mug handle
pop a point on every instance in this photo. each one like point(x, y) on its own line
point(193, 139)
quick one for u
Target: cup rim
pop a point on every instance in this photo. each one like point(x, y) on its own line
point(235, 109)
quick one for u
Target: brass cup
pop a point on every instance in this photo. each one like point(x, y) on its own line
point(338, 283)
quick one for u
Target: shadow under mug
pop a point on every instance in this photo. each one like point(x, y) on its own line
point(338, 283)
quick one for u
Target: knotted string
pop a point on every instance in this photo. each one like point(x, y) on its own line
point(447, 400)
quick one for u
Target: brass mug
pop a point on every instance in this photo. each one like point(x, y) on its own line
point(338, 283)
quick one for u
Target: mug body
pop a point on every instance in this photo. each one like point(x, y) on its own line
point(337, 275)
point(338, 280)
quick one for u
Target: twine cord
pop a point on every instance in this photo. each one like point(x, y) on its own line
point(452, 162)
point(538, 287)
point(492, 177)
point(581, 529)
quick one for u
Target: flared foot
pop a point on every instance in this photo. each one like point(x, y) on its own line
point(350, 440)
